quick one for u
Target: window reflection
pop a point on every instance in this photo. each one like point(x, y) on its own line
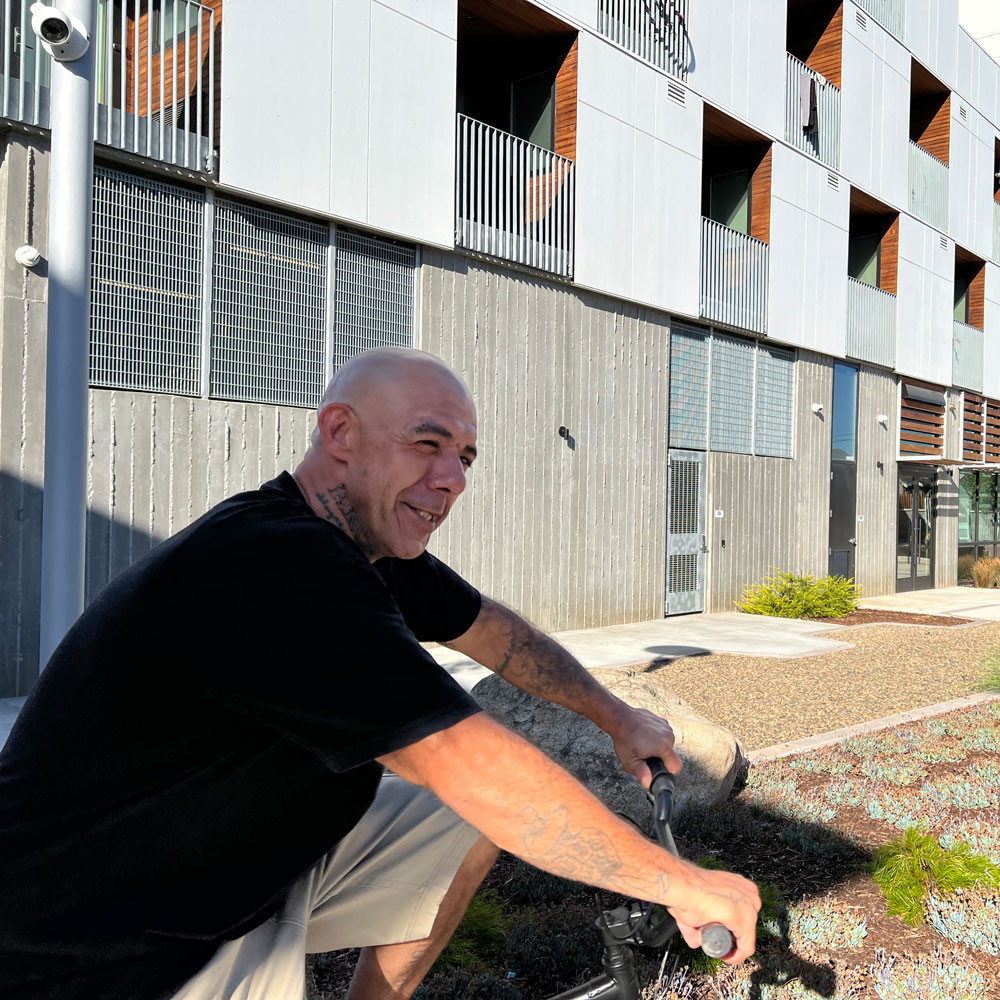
point(845, 413)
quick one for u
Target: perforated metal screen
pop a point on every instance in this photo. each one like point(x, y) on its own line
point(269, 280)
point(689, 348)
point(684, 497)
point(732, 389)
point(683, 573)
point(374, 295)
point(146, 285)
point(775, 402)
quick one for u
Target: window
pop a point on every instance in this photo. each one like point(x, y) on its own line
point(845, 413)
point(863, 258)
point(533, 109)
point(729, 200)
point(170, 21)
point(961, 299)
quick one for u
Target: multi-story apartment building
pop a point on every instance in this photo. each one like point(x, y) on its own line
point(723, 275)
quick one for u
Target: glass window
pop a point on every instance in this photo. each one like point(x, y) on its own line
point(967, 507)
point(863, 259)
point(845, 413)
point(962, 300)
point(533, 109)
point(987, 507)
point(729, 200)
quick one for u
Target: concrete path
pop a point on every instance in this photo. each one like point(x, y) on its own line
point(964, 602)
point(670, 638)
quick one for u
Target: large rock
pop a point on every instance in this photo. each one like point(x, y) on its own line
point(712, 756)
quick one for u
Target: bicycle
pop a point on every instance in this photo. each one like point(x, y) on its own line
point(632, 924)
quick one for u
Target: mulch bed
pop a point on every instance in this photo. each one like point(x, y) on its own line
point(874, 616)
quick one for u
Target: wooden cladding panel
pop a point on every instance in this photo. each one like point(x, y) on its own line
point(566, 94)
point(992, 432)
point(921, 427)
point(827, 55)
point(760, 200)
point(972, 428)
point(889, 258)
point(977, 299)
point(935, 137)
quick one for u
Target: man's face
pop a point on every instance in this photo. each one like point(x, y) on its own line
point(416, 444)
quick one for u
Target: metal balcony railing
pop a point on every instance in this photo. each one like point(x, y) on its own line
point(812, 112)
point(928, 187)
point(891, 14)
point(871, 324)
point(154, 79)
point(733, 277)
point(513, 199)
point(967, 357)
point(655, 30)
point(996, 231)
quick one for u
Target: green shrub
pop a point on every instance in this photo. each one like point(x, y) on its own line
point(480, 937)
point(991, 668)
point(908, 868)
point(787, 595)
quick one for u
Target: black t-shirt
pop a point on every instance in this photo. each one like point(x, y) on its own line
point(204, 733)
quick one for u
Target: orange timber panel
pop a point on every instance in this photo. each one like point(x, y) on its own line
point(760, 200)
point(977, 299)
point(992, 431)
point(925, 418)
point(566, 93)
point(972, 428)
point(935, 138)
point(827, 55)
point(889, 258)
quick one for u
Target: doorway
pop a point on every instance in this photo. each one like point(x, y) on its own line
point(914, 530)
point(687, 544)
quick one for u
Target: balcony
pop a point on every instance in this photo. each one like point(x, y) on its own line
point(871, 324)
point(513, 199)
point(928, 187)
point(812, 112)
point(655, 32)
point(967, 357)
point(733, 278)
point(155, 77)
point(891, 14)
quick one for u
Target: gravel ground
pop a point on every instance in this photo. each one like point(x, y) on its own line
point(892, 668)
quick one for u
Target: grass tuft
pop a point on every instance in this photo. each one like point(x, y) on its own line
point(991, 671)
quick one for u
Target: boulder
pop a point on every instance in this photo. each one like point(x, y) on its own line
point(712, 756)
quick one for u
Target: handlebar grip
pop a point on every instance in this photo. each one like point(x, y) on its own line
point(717, 940)
point(662, 778)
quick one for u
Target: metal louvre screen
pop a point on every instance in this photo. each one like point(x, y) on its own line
point(688, 387)
point(374, 295)
point(684, 497)
point(269, 276)
point(683, 573)
point(146, 285)
point(732, 391)
point(775, 402)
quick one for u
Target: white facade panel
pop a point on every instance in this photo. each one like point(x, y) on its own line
point(582, 13)
point(932, 37)
point(991, 336)
point(808, 256)
point(442, 17)
point(925, 302)
point(411, 152)
point(607, 79)
point(971, 214)
point(738, 54)
point(875, 109)
point(275, 128)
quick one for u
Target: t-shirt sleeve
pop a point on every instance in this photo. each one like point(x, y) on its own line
point(436, 603)
point(314, 646)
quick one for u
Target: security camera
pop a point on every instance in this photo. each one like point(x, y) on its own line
point(62, 35)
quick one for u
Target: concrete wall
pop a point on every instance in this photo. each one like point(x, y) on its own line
point(875, 554)
point(569, 532)
point(776, 511)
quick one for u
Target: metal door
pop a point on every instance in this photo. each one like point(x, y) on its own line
point(843, 520)
point(687, 545)
point(915, 531)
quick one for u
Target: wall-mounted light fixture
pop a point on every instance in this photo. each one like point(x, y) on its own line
point(27, 256)
point(817, 407)
point(883, 419)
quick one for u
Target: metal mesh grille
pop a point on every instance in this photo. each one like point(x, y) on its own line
point(146, 285)
point(269, 306)
point(688, 387)
point(374, 295)
point(775, 402)
point(683, 571)
point(732, 386)
point(684, 497)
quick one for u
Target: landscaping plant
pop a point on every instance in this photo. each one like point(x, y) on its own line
point(788, 595)
point(986, 572)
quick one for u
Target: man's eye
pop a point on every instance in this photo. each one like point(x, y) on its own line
point(430, 444)
point(467, 462)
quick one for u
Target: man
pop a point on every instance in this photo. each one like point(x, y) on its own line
point(188, 799)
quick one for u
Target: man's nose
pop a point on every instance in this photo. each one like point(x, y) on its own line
point(448, 473)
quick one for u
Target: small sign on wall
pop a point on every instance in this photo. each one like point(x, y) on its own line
point(720, 513)
point(861, 517)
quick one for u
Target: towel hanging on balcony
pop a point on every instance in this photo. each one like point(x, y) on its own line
point(807, 102)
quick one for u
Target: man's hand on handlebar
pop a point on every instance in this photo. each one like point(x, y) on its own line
point(718, 897)
point(640, 734)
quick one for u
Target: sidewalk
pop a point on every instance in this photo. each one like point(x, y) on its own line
point(963, 602)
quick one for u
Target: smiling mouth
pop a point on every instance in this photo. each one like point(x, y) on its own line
point(432, 519)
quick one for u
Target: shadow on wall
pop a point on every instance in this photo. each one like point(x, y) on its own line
point(112, 546)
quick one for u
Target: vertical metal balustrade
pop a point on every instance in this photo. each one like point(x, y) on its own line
point(513, 199)
point(891, 14)
point(154, 91)
point(655, 30)
point(928, 187)
point(967, 357)
point(823, 142)
point(871, 324)
point(733, 277)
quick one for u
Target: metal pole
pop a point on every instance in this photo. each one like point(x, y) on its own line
point(64, 501)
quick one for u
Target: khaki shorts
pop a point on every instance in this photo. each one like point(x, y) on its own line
point(382, 884)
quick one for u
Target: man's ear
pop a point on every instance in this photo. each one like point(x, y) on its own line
point(337, 424)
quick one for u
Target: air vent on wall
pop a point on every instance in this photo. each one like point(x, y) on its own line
point(862, 21)
point(676, 93)
point(944, 242)
point(963, 113)
point(833, 181)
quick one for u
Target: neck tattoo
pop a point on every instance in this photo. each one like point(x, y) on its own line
point(339, 511)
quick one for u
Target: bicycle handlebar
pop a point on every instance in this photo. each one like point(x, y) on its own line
point(717, 940)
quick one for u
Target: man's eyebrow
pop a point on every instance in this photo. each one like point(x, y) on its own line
point(429, 427)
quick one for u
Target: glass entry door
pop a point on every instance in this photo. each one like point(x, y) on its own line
point(915, 531)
